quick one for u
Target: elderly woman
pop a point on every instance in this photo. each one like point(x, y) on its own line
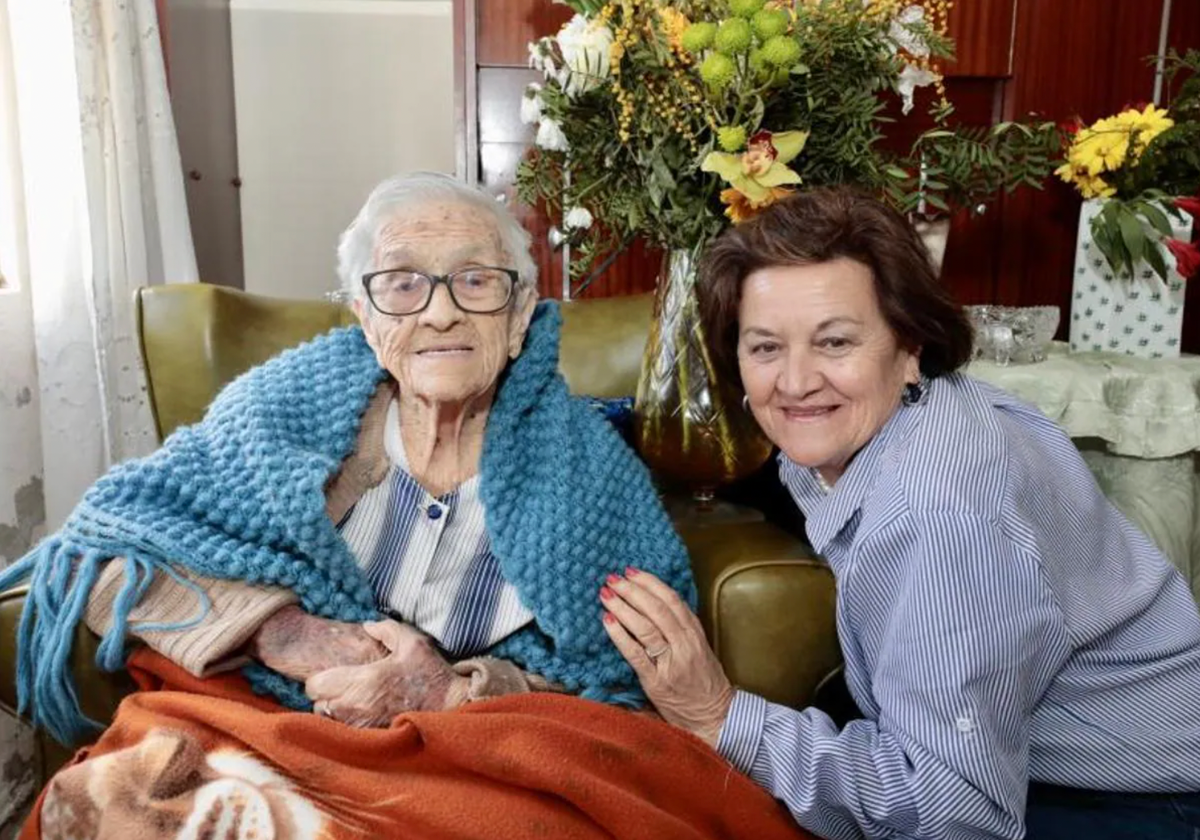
point(429, 466)
point(1026, 662)
point(426, 466)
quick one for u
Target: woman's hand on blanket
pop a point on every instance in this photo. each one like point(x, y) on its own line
point(413, 677)
point(663, 641)
point(299, 645)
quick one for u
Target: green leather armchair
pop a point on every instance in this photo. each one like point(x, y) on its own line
point(766, 602)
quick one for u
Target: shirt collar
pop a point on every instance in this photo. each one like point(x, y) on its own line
point(827, 514)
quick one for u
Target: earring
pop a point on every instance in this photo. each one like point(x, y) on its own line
point(914, 392)
point(745, 402)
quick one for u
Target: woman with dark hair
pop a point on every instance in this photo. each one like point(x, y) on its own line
point(1027, 663)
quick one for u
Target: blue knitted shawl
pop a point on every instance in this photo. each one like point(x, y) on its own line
point(240, 495)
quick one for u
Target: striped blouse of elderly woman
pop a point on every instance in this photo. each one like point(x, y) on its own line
point(441, 279)
point(1024, 659)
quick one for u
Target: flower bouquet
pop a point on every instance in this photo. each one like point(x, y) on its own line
point(668, 120)
point(1139, 171)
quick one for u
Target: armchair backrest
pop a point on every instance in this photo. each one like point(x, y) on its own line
point(197, 337)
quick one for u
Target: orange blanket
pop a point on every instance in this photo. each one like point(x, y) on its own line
point(208, 759)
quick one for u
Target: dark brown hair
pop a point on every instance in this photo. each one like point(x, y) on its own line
point(819, 225)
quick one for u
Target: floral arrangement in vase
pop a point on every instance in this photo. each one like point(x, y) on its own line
point(670, 119)
point(1145, 163)
point(1139, 172)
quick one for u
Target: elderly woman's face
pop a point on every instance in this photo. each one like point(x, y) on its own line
point(821, 367)
point(443, 354)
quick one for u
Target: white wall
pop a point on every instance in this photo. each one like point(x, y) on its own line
point(331, 96)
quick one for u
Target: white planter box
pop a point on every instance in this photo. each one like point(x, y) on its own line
point(1138, 315)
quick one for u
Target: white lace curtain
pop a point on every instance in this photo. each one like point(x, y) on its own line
point(98, 209)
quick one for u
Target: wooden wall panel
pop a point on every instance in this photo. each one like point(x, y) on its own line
point(1185, 25)
point(1071, 57)
point(505, 27)
point(977, 101)
point(982, 32)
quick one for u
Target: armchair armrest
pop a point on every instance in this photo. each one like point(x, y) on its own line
point(768, 606)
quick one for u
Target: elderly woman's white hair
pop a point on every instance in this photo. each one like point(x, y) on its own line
point(357, 243)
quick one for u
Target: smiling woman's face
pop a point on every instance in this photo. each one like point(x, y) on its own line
point(443, 354)
point(820, 364)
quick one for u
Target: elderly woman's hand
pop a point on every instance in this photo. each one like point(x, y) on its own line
point(413, 677)
point(662, 639)
point(299, 645)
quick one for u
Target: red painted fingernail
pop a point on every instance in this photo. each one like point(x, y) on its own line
point(606, 593)
point(613, 580)
point(631, 572)
point(609, 618)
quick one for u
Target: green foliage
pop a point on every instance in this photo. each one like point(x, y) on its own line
point(1171, 162)
point(971, 166)
point(687, 73)
point(1127, 231)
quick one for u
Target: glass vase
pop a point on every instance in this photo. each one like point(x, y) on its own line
point(689, 426)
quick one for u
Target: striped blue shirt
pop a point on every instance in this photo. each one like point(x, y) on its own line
point(429, 559)
point(1001, 622)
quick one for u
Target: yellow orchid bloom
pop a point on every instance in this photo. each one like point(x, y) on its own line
point(758, 172)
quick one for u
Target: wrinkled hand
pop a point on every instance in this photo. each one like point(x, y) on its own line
point(299, 645)
point(663, 641)
point(413, 677)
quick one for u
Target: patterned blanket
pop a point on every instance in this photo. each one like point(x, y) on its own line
point(210, 759)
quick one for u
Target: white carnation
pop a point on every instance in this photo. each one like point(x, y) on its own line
point(901, 33)
point(585, 49)
point(531, 104)
point(577, 218)
point(911, 78)
point(541, 57)
point(550, 136)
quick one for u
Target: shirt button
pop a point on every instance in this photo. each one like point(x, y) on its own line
point(434, 511)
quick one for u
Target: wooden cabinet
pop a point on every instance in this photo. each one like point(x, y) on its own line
point(983, 35)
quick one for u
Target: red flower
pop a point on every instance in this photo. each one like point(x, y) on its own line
point(1191, 206)
point(1071, 127)
point(761, 141)
point(1187, 256)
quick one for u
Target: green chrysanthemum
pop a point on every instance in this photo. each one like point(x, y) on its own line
point(698, 37)
point(745, 8)
point(731, 137)
point(718, 71)
point(781, 51)
point(733, 37)
point(770, 22)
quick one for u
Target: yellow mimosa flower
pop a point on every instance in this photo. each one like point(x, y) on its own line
point(674, 23)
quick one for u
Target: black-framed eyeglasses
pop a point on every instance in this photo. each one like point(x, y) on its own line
point(480, 290)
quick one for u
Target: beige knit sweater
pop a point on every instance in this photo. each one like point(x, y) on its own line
point(238, 609)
